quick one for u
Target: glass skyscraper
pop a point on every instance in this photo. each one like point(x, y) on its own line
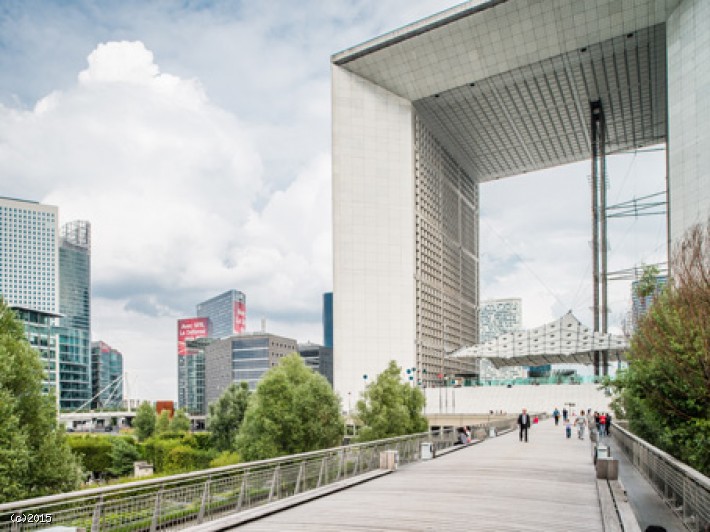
point(219, 317)
point(226, 313)
point(74, 332)
point(107, 376)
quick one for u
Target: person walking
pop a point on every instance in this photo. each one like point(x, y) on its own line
point(556, 415)
point(568, 428)
point(602, 424)
point(580, 422)
point(608, 423)
point(524, 422)
point(565, 414)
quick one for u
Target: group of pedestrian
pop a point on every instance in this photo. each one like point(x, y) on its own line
point(599, 420)
point(585, 419)
point(602, 422)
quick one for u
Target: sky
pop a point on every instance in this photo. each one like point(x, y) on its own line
point(195, 136)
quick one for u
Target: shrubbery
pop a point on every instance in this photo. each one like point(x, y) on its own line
point(93, 451)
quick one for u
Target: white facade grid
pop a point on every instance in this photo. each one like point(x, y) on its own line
point(29, 266)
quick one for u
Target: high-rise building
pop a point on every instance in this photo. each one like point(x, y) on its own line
point(319, 358)
point(74, 331)
point(219, 317)
point(29, 276)
point(46, 277)
point(227, 314)
point(245, 357)
point(328, 320)
point(425, 115)
point(640, 305)
point(29, 269)
point(107, 376)
point(191, 366)
point(498, 317)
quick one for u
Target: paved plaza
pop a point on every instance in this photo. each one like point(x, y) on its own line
point(500, 484)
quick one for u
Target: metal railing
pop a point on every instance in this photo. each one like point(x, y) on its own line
point(188, 499)
point(683, 488)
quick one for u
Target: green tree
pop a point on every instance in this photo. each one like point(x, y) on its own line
point(293, 410)
point(144, 422)
point(180, 422)
point(36, 459)
point(162, 424)
point(647, 284)
point(390, 407)
point(14, 454)
point(226, 415)
point(123, 454)
point(665, 393)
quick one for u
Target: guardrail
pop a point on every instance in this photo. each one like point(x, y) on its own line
point(683, 488)
point(188, 499)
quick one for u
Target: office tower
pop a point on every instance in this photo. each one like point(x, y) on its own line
point(640, 305)
point(328, 319)
point(245, 357)
point(319, 358)
point(107, 376)
point(498, 317)
point(191, 366)
point(29, 269)
point(227, 314)
point(29, 276)
point(74, 330)
point(218, 317)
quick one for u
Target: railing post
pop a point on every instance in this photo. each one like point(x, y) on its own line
point(340, 464)
point(322, 470)
point(274, 482)
point(299, 478)
point(156, 512)
point(242, 490)
point(205, 501)
point(96, 517)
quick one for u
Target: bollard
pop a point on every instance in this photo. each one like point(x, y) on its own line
point(427, 450)
point(389, 460)
point(607, 468)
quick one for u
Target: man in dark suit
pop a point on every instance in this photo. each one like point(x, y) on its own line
point(524, 422)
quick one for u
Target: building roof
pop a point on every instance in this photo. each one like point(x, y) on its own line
point(562, 341)
point(505, 85)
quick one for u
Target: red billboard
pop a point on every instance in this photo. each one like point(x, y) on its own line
point(240, 317)
point(190, 329)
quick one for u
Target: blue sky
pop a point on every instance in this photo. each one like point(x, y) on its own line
point(195, 136)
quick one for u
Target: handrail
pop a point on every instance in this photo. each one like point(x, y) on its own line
point(189, 498)
point(195, 475)
point(684, 489)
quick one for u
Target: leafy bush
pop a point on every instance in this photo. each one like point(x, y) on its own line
point(93, 451)
point(183, 458)
point(180, 422)
point(225, 458)
point(158, 450)
point(123, 454)
point(202, 440)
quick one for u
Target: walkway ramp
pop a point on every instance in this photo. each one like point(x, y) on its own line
point(500, 484)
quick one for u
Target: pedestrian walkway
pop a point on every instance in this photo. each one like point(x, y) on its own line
point(501, 484)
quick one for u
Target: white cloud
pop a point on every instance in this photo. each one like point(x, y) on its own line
point(169, 182)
